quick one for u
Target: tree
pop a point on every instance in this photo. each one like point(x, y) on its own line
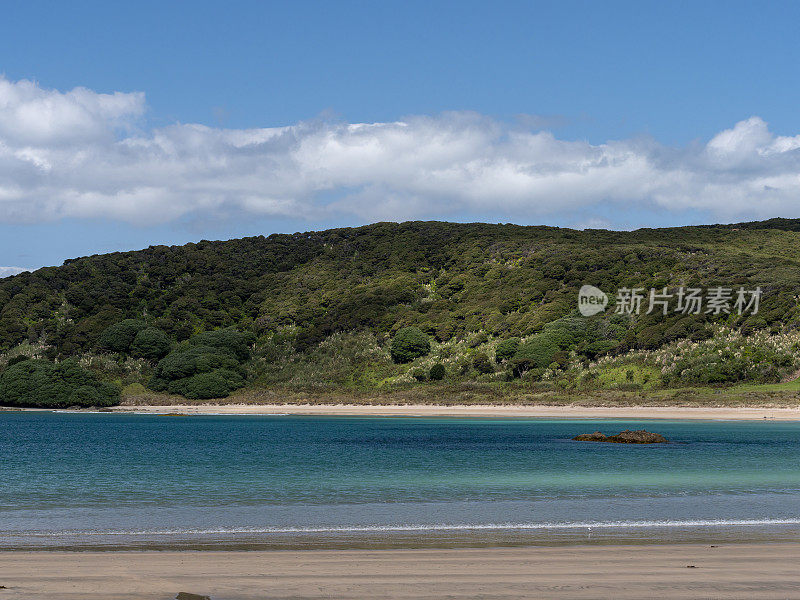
point(228, 339)
point(482, 363)
point(204, 386)
point(506, 349)
point(185, 362)
point(409, 343)
point(537, 352)
point(151, 343)
point(84, 395)
point(119, 336)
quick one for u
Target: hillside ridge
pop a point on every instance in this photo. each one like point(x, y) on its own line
point(346, 292)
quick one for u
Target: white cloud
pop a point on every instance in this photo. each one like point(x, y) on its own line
point(33, 116)
point(9, 271)
point(80, 154)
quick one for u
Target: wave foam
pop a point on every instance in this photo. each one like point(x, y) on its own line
point(435, 527)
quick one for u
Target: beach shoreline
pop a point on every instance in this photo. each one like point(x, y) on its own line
point(487, 410)
point(674, 570)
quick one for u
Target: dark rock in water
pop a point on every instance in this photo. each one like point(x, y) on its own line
point(188, 596)
point(625, 437)
point(591, 437)
point(637, 437)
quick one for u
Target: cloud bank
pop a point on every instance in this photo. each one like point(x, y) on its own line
point(82, 154)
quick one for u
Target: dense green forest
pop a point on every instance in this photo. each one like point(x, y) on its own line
point(405, 304)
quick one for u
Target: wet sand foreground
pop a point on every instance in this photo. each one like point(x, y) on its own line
point(640, 571)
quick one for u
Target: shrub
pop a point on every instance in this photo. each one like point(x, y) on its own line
point(16, 359)
point(342, 360)
point(120, 336)
point(409, 343)
point(599, 347)
point(566, 332)
point(204, 386)
point(730, 366)
point(228, 339)
point(478, 340)
point(419, 374)
point(482, 363)
point(536, 353)
point(234, 378)
point(752, 324)
point(158, 384)
point(150, 343)
point(680, 329)
point(437, 372)
point(651, 337)
point(41, 383)
point(186, 362)
point(534, 374)
point(203, 371)
point(560, 359)
point(700, 334)
point(506, 349)
point(727, 357)
point(84, 395)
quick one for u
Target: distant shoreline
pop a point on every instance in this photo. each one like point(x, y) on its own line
point(507, 411)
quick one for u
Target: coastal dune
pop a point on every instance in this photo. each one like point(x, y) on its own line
point(642, 571)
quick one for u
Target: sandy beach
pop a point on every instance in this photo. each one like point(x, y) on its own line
point(511, 411)
point(729, 571)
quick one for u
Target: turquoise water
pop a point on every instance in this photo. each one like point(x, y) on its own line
point(130, 481)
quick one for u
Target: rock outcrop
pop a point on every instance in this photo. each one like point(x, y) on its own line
point(625, 437)
point(591, 437)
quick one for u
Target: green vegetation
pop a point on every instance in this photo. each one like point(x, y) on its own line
point(437, 372)
point(119, 337)
point(208, 365)
point(633, 375)
point(151, 343)
point(403, 306)
point(506, 349)
point(536, 353)
point(482, 364)
point(729, 357)
point(409, 343)
point(41, 383)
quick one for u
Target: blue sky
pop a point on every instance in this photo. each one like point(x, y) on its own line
point(613, 114)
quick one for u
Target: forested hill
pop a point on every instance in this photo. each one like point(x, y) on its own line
point(448, 279)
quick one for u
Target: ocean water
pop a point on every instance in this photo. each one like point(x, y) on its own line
point(83, 480)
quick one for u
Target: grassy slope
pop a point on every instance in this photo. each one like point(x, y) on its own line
point(477, 394)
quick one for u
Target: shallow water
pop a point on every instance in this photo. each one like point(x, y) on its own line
point(134, 481)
